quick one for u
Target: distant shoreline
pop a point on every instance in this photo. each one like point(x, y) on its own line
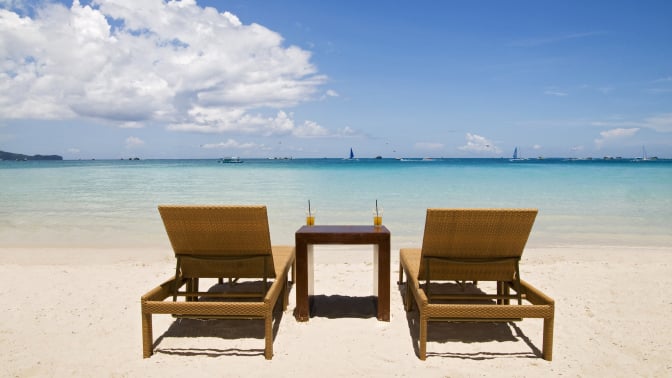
point(21, 157)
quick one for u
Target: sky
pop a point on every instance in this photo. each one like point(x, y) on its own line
point(110, 79)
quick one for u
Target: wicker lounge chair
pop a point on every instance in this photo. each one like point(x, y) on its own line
point(473, 245)
point(220, 242)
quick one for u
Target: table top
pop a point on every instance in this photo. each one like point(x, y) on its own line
point(342, 229)
point(342, 235)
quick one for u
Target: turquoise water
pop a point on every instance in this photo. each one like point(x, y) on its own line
point(113, 203)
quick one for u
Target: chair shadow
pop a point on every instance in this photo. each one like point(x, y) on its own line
point(229, 329)
point(340, 306)
point(466, 332)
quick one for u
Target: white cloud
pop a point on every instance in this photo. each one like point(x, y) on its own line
point(330, 93)
point(347, 131)
point(174, 62)
point(132, 142)
point(617, 133)
point(232, 144)
point(13, 4)
point(661, 123)
point(613, 134)
point(536, 147)
point(131, 125)
point(73, 150)
point(310, 129)
point(477, 143)
point(220, 120)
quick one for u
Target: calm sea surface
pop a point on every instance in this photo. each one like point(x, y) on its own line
point(113, 203)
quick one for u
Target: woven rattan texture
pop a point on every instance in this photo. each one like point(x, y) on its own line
point(220, 230)
point(475, 234)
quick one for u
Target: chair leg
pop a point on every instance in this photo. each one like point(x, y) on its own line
point(147, 335)
point(547, 349)
point(294, 272)
point(423, 337)
point(408, 298)
point(285, 295)
point(401, 275)
point(268, 328)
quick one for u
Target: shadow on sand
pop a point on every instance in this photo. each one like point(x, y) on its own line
point(466, 332)
point(229, 329)
point(340, 306)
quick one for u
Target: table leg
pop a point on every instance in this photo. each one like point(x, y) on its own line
point(382, 260)
point(302, 310)
point(311, 270)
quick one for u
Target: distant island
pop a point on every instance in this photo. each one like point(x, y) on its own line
point(20, 157)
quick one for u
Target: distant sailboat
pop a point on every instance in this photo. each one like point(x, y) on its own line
point(352, 155)
point(515, 156)
point(644, 157)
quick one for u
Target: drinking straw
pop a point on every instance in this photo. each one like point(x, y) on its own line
point(376, 207)
point(309, 207)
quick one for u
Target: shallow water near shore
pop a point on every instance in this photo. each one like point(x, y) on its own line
point(113, 203)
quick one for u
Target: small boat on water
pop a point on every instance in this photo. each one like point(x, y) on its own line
point(644, 156)
point(352, 155)
point(230, 160)
point(515, 156)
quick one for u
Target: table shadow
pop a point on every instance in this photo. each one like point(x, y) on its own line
point(340, 306)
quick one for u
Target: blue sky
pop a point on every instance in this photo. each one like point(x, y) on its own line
point(205, 79)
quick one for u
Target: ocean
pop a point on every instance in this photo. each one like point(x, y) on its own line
point(113, 203)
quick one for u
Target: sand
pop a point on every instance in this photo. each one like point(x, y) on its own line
point(77, 313)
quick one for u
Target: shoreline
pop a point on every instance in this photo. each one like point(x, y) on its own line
point(77, 312)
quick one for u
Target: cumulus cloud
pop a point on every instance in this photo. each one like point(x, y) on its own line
point(220, 120)
point(479, 144)
point(132, 142)
point(178, 63)
point(347, 131)
point(613, 134)
point(310, 129)
point(330, 93)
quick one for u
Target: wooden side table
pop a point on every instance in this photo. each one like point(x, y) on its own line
point(307, 236)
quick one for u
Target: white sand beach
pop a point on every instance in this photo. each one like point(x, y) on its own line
point(77, 313)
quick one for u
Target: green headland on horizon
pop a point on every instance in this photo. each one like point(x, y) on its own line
point(13, 156)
